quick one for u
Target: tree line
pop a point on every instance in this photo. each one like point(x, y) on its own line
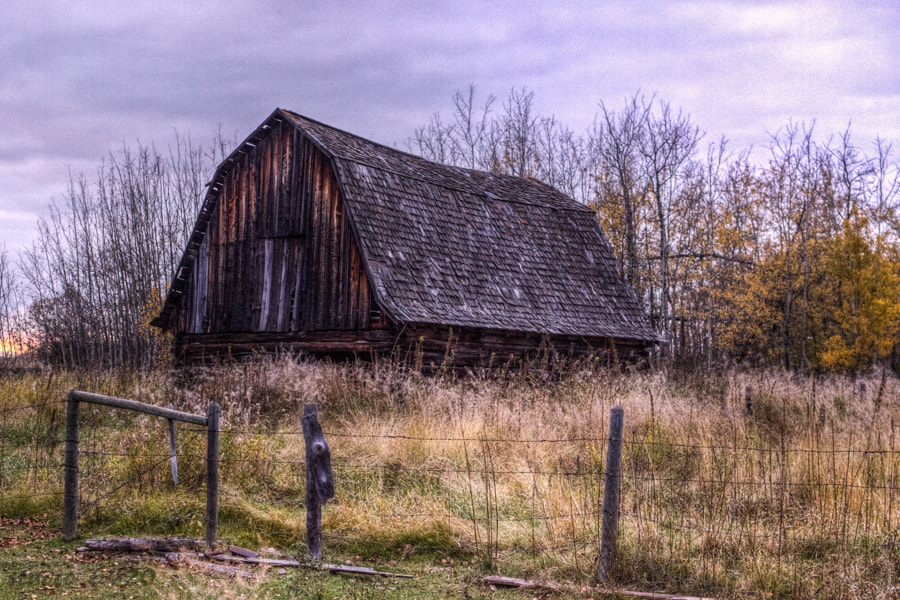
point(788, 260)
point(85, 291)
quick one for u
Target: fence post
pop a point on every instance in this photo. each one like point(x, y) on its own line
point(611, 494)
point(319, 478)
point(212, 473)
point(70, 491)
point(173, 456)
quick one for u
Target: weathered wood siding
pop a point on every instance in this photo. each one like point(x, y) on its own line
point(427, 345)
point(279, 254)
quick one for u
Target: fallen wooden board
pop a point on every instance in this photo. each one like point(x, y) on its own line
point(143, 544)
point(525, 583)
point(238, 551)
point(278, 562)
point(175, 559)
point(520, 583)
point(360, 571)
point(269, 562)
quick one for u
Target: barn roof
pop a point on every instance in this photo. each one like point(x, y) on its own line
point(453, 246)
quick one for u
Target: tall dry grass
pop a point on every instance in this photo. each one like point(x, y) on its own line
point(794, 498)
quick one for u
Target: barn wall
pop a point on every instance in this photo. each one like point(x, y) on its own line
point(279, 254)
point(427, 346)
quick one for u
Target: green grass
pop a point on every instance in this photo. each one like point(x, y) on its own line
point(36, 563)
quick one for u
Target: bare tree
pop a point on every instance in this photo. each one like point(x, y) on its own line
point(473, 130)
point(10, 323)
point(97, 272)
point(617, 142)
point(467, 141)
point(434, 141)
point(883, 190)
point(668, 144)
point(851, 170)
point(800, 205)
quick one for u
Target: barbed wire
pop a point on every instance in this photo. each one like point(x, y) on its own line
point(12, 409)
point(630, 476)
point(232, 431)
point(96, 501)
point(29, 495)
point(784, 534)
point(631, 443)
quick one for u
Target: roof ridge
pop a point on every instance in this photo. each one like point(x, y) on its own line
point(576, 206)
point(343, 155)
point(359, 137)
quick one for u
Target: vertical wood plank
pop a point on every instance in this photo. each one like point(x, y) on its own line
point(342, 264)
point(216, 245)
point(199, 283)
point(309, 231)
point(317, 262)
point(265, 298)
point(296, 316)
point(326, 277)
point(283, 284)
point(365, 300)
point(353, 320)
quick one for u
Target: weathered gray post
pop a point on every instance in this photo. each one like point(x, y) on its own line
point(212, 473)
point(70, 490)
point(611, 494)
point(319, 478)
point(173, 457)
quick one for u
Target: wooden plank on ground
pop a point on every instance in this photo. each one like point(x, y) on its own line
point(278, 562)
point(143, 544)
point(525, 583)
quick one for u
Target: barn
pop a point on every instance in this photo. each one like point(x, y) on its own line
point(314, 240)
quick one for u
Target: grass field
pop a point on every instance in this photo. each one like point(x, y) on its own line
point(453, 478)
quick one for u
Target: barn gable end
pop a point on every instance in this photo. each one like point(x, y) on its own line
point(316, 240)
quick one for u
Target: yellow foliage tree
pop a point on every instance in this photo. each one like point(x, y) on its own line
point(748, 312)
point(866, 298)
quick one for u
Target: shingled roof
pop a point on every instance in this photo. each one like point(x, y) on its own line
point(452, 246)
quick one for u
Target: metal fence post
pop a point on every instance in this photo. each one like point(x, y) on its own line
point(611, 494)
point(212, 473)
point(70, 491)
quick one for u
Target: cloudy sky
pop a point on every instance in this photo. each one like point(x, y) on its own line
point(81, 77)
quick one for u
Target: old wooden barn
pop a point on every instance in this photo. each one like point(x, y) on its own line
point(314, 240)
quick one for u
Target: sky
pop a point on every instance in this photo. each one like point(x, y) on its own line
point(79, 78)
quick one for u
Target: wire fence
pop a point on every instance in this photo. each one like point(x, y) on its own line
point(695, 509)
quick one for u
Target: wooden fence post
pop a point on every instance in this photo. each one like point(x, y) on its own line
point(319, 478)
point(212, 474)
point(611, 494)
point(70, 491)
point(173, 456)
